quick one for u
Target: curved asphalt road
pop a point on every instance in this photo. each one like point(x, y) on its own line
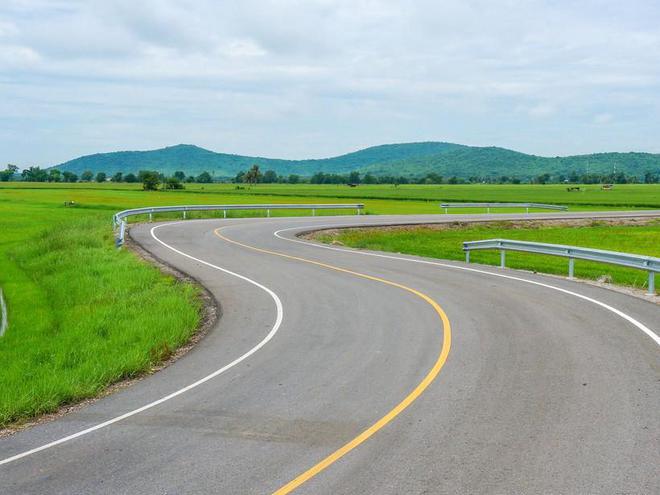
point(542, 391)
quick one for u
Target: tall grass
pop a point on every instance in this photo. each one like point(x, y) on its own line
point(83, 315)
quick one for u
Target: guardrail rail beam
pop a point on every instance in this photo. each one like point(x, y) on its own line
point(488, 206)
point(119, 218)
point(649, 264)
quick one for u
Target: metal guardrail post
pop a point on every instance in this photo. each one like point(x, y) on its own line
point(651, 284)
point(467, 256)
point(502, 258)
point(4, 322)
point(571, 268)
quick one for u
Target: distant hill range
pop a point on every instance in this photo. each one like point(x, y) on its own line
point(408, 159)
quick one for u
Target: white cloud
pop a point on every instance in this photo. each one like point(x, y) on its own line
point(304, 78)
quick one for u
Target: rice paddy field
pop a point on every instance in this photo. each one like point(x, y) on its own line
point(83, 315)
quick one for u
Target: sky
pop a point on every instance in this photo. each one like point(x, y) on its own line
point(311, 79)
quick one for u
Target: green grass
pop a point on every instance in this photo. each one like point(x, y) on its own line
point(83, 315)
point(447, 243)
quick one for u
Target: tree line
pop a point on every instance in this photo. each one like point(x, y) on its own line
point(254, 176)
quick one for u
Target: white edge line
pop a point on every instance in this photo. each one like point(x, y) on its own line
point(618, 312)
point(267, 338)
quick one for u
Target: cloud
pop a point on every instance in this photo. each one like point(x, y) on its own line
point(296, 78)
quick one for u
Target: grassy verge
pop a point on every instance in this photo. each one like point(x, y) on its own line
point(446, 242)
point(82, 314)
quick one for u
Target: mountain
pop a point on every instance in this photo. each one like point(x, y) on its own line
point(408, 159)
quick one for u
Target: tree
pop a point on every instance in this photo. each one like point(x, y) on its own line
point(130, 178)
point(173, 183)
point(180, 175)
point(240, 177)
point(69, 176)
point(542, 179)
point(190, 179)
point(369, 179)
point(204, 178)
point(34, 174)
point(7, 174)
point(118, 177)
point(253, 175)
point(354, 177)
point(150, 180)
point(651, 177)
point(54, 175)
point(294, 179)
point(101, 176)
point(87, 176)
point(269, 177)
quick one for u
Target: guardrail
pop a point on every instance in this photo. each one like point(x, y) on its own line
point(488, 206)
point(118, 219)
point(4, 322)
point(646, 263)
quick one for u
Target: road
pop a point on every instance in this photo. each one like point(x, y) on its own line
point(397, 374)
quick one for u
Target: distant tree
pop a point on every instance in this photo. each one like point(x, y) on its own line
point(369, 179)
point(253, 175)
point(130, 178)
point(118, 177)
point(354, 177)
point(69, 176)
point(294, 179)
point(269, 177)
point(318, 178)
point(204, 178)
point(173, 183)
point(542, 179)
point(54, 175)
point(101, 176)
point(7, 174)
point(240, 177)
point(150, 180)
point(190, 179)
point(34, 174)
point(180, 175)
point(651, 177)
point(87, 176)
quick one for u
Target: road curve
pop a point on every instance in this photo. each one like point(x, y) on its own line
point(548, 386)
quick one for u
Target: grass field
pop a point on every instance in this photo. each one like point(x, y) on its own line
point(83, 315)
point(446, 242)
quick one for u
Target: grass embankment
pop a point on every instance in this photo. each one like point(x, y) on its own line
point(446, 242)
point(82, 314)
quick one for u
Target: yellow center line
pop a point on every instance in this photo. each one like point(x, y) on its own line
point(417, 391)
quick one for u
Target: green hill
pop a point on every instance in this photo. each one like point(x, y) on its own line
point(409, 159)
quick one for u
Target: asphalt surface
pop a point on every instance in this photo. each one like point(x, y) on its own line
point(542, 391)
